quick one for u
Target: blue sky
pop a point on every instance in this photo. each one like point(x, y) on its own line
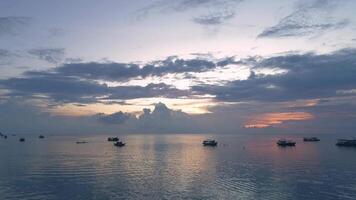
point(219, 66)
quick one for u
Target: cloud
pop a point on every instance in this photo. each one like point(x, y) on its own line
point(66, 89)
point(213, 18)
point(54, 55)
point(57, 88)
point(4, 53)
point(210, 12)
point(308, 76)
point(123, 71)
point(115, 118)
point(311, 17)
point(5, 56)
point(13, 25)
point(160, 120)
point(83, 82)
point(305, 76)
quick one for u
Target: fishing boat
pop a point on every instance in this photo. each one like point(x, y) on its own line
point(113, 139)
point(210, 142)
point(41, 137)
point(81, 142)
point(284, 143)
point(22, 139)
point(311, 139)
point(346, 143)
point(119, 144)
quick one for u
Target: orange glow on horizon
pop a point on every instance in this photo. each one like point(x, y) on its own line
point(269, 119)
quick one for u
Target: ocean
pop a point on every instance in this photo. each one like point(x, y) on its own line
point(175, 167)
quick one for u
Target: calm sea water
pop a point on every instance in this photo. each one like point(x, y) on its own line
point(175, 167)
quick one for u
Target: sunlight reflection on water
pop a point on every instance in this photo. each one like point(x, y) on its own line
point(175, 167)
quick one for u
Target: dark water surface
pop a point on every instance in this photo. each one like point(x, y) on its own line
point(175, 167)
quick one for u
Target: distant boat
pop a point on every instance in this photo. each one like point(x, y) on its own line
point(311, 139)
point(2, 135)
point(346, 143)
point(284, 143)
point(22, 139)
point(41, 137)
point(81, 142)
point(119, 144)
point(113, 139)
point(210, 142)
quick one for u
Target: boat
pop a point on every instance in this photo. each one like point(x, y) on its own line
point(210, 142)
point(41, 137)
point(3, 135)
point(311, 139)
point(119, 144)
point(113, 139)
point(22, 139)
point(346, 143)
point(284, 143)
point(81, 142)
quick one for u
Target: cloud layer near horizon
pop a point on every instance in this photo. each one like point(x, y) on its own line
point(304, 76)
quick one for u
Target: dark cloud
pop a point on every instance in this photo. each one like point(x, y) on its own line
point(123, 71)
point(311, 17)
point(64, 89)
point(309, 76)
point(77, 82)
point(151, 90)
point(13, 25)
point(60, 89)
point(54, 55)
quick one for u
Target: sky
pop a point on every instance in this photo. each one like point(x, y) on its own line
point(178, 66)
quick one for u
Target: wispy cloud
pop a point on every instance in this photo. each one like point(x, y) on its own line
point(213, 18)
point(13, 24)
point(210, 12)
point(51, 55)
point(309, 18)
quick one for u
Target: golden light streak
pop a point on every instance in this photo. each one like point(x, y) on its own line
point(269, 119)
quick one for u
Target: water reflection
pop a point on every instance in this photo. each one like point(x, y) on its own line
point(175, 167)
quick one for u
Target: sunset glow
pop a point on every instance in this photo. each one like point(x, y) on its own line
point(272, 119)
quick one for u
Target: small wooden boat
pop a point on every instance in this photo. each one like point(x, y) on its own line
point(210, 142)
point(119, 144)
point(285, 143)
point(41, 137)
point(311, 139)
point(113, 139)
point(81, 142)
point(346, 143)
point(22, 139)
